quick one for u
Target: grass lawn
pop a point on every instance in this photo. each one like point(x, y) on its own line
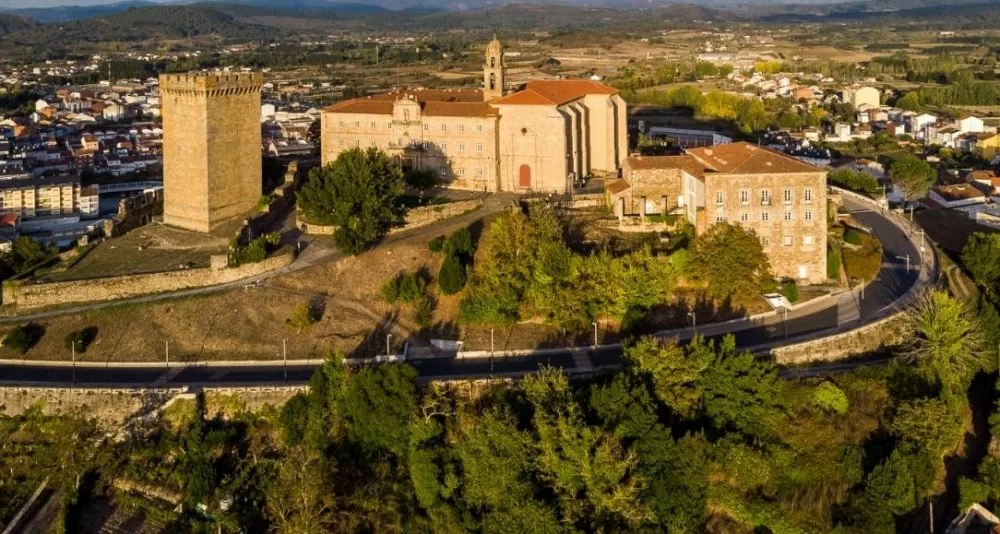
point(862, 262)
point(150, 249)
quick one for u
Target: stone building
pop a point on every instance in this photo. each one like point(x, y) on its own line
point(211, 148)
point(778, 197)
point(539, 138)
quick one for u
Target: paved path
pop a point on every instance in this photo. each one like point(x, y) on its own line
point(822, 317)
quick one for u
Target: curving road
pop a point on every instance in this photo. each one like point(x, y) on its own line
point(842, 312)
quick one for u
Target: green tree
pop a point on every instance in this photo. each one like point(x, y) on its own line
point(888, 491)
point(948, 340)
point(80, 339)
point(676, 376)
point(377, 406)
point(741, 392)
point(913, 175)
point(300, 499)
point(981, 256)
point(422, 179)
point(23, 337)
point(359, 194)
point(303, 316)
point(910, 101)
point(452, 277)
point(732, 262)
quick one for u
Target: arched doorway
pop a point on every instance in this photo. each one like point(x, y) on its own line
point(524, 176)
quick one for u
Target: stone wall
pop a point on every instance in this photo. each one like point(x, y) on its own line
point(134, 211)
point(886, 332)
point(276, 210)
point(415, 218)
point(23, 296)
point(112, 407)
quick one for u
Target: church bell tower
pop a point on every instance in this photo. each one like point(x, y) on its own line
point(493, 71)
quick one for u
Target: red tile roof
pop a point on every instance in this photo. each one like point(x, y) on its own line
point(745, 158)
point(555, 92)
point(433, 102)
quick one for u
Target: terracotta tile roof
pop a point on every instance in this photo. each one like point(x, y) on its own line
point(686, 163)
point(554, 92)
point(433, 102)
point(745, 158)
point(958, 192)
point(618, 186)
point(563, 91)
point(526, 97)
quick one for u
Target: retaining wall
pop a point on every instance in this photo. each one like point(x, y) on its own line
point(886, 332)
point(24, 296)
point(415, 218)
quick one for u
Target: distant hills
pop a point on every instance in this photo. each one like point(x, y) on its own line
point(12, 23)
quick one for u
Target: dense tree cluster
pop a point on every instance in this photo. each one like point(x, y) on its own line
point(852, 180)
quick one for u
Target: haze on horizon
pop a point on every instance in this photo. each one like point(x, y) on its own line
point(22, 4)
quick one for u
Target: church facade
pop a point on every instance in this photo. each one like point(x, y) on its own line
point(539, 138)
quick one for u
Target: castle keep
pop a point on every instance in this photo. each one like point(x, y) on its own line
point(211, 147)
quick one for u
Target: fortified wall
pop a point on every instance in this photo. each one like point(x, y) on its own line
point(23, 296)
point(135, 211)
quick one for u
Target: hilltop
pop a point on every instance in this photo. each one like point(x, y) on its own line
point(12, 23)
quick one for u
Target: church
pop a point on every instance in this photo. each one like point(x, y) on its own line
point(538, 138)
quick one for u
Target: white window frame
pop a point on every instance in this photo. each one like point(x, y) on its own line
point(808, 196)
point(789, 241)
point(718, 198)
point(765, 216)
point(809, 216)
point(765, 197)
point(788, 196)
point(788, 215)
point(744, 196)
point(744, 217)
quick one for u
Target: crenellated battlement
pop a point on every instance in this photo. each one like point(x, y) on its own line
point(211, 84)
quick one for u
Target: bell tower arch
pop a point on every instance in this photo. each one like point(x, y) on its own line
point(494, 71)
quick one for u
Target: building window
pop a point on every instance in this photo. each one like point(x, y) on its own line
point(744, 217)
point(340, 143)
point(788, 196)
point(479, 173)
point(461, 127)
point(479, 147)
point(373, 125)
point(788, 215)
point(388, 125)
point(357, 124)
point(765, 241)
point(764, 216)
point(374, 144)
point(340, 124)
point(788, 240)
point(461, 147)
point(745, 197)
point(809, 196)
point(443, 171)
point(427, 127)
point(357, 143)
point(765, 197)
point(809, 215)
point(461, 172)
point(479, 127)
point(718, 198)
point(807, 240)
point(720, 218)
point(444, 127)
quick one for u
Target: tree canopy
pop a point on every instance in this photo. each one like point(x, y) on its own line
point(914, 175)
point(359, 194)
point(731, 262)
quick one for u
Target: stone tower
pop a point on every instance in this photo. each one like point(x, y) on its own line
point(494, 71)
point(211, 147)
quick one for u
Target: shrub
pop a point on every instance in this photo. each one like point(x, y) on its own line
point(459, 244)
point(971, 492)
point(80, 338)
point(425, 311)
point(827, 396)
point(23, 337)
point(790, 290)
point(436, 245)
point(411, 287)
point(453, 276)
point(852, 236)
point(832, 263)
point(407, 287)
point(256, 250)
point(854, 181)
point(422, 178)
point(303, 316)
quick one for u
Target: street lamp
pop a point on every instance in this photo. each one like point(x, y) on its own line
point(907, 258)
point(694, 324)
point(387, 337)
point(73, 348)
point(595, 334)
point(284, 358)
